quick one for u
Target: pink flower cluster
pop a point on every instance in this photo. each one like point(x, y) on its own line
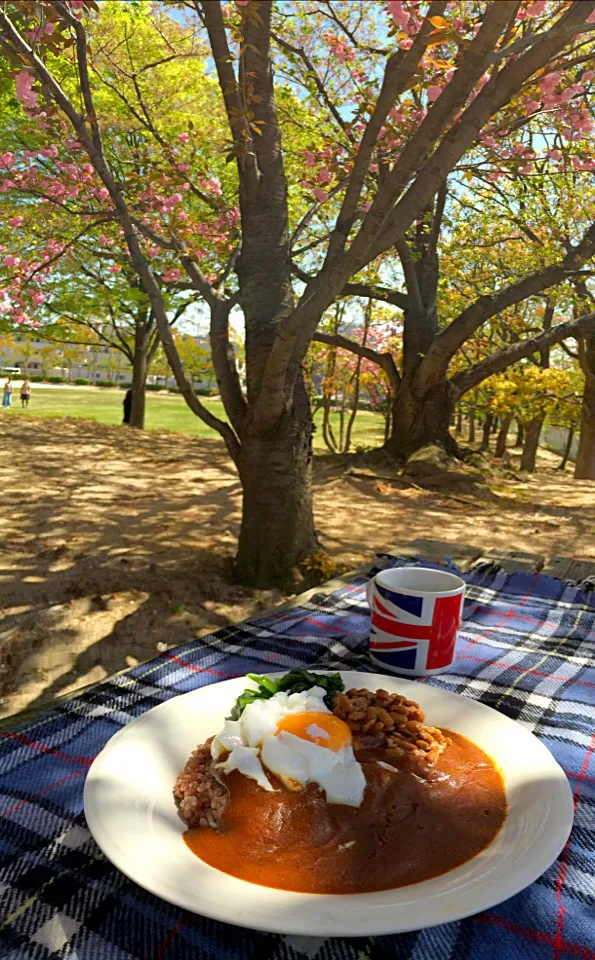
point(24, 90)
point(339, 48)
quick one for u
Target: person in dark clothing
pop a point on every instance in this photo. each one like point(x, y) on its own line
point(127, 404)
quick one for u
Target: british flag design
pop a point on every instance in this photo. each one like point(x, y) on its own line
point(413, 634)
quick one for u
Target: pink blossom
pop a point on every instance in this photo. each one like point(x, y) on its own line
point(324, 176)
point(310, 158)
point(8, 159)
point(38, 297)
point(588, 75)
point(320, 195)
point(88, 168)
point(434, 92)
point(242, 3)
point(527, 168)
point(153, 251)
point(518, 148)
point(185, 186)
point(77, 4)
point(183, 137)
point(536, 8)
point(170, 276)
point(24, 92)
point(16, 221)
point(554, 154)
point(214, 185)
point(49, 28)
point(591, 19)
point(183, 167)
point(396, 115)
point(103, 194)
point(49, 152)
point(576, 163)
point(11, 261)
point(398, 13)
point(115, 268)
point(532, 106)
point(450, 74)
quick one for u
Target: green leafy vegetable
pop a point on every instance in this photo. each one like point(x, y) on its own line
point(296, 681)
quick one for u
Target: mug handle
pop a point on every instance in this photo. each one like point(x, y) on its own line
point(370, 591)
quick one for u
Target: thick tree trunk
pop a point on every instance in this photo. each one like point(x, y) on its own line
point(277, 528)
point(420, 419)
point(460, 421)
point(520, 434)
point(567, 449)
point(585, 458)
point(502, 436)
point(532, 434)
point(139, 382)
point(485, 439)
point(472, 426)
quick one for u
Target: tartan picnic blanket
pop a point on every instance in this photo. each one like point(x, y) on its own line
point(526, 648)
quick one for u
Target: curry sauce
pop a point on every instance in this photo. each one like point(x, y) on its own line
point(416, 822)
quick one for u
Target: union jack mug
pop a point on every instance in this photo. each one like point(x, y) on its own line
point(416, 615)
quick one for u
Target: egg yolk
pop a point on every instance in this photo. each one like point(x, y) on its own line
point(324, 729)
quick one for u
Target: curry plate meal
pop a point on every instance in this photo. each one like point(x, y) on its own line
point(313, 788)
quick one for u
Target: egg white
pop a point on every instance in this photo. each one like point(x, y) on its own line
point(253, 741)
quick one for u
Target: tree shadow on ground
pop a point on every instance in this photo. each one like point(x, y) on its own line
point(113, 541)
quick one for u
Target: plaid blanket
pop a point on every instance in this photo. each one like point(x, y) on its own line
point(526, 648)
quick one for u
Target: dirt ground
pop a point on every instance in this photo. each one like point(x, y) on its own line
point(115, 544)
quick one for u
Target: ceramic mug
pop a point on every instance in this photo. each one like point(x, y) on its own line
point(416, 615)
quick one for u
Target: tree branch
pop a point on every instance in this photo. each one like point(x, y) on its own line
point(467, 379)
point(301, 53)
point(357, 289)
point(399, 71)
point(384, 360)
point(447, 342)
point(94, 148)
point(212, 17)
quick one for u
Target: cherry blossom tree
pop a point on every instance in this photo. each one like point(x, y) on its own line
point(404, 92)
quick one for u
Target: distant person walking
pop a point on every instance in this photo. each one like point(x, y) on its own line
point(7, 393)
point(25, 393)
point(127, 404)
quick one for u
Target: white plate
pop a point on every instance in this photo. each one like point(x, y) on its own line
point(131, 813)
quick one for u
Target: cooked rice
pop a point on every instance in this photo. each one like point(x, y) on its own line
point(201, 797)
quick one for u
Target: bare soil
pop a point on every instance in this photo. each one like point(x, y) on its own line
point(116, 544)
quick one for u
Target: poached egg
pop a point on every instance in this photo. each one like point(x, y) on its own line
point(297, 738)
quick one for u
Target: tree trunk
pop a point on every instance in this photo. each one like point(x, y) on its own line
point(277, 528)
point(531, 444)
point(472, 426)
point(585, 458)
point(502, 436)
point(139, 382)
point(485, 439)
point(520, 434)
point(420, 419)
point(495, 424)
point(567, 449)
point(460, 421)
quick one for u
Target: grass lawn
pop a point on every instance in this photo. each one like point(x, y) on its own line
point(164, 412)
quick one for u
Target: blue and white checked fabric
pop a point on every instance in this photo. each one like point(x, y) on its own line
point(526, 648)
